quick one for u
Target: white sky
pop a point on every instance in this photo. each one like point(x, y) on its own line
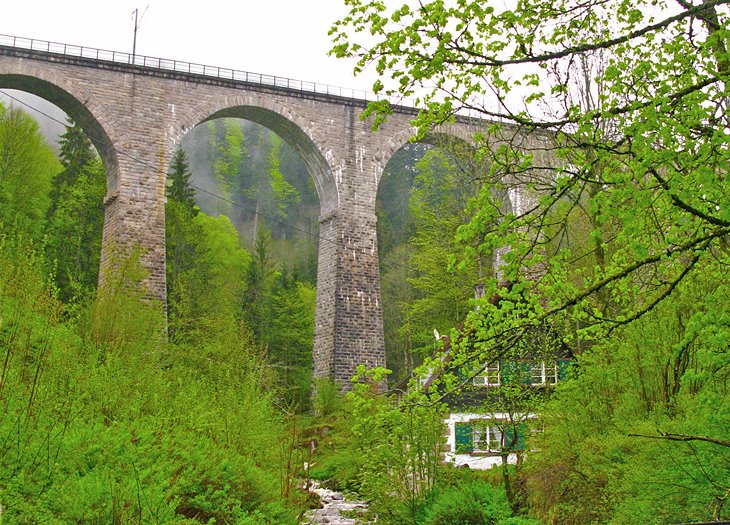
point(287, 38)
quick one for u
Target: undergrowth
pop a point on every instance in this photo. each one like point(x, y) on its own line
point(102, 421)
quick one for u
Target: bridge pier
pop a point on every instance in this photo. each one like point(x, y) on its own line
point(134, 217)
point(348, 320)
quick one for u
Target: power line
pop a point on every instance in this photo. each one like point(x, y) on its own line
point(204, 191)
point(195, 187)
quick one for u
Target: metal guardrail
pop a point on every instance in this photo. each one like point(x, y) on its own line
point(178, 66)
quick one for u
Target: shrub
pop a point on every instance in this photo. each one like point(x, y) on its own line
point(473, 503)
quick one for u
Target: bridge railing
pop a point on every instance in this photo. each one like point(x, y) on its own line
point(183, 67)
point(165, 64)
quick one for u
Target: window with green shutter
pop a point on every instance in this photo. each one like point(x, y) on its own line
point(563, 365)
point(512, 372)
point(464, 440)
point(509, 436)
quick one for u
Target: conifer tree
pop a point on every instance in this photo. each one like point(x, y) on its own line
point(180, 210)
point(76, 153)
point(179, 188)
point(76, 215)
point(260, 290)
point(76, 148)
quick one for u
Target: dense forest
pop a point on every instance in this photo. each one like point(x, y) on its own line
point(241, 228)
point(614, 266)
point(100, 410)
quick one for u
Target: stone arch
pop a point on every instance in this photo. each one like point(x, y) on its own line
point(81, 106)
point(440, 136)
point(322, 163)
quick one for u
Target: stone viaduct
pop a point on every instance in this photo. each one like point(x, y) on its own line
point(137, 109)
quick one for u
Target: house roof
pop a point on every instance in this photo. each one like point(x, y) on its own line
point(536, 339)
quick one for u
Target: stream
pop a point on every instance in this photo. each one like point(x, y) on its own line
point(334, 505)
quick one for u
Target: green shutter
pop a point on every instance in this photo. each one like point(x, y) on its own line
point(464, 440)
point(526, 370)
point(506, 372)
point(563, 366)
point(515, 371)
point(521, 430)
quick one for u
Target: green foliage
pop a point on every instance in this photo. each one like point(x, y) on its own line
point(209, 278)
point(103, 422)
point(437, 185)
point(327, 400)
point(392, 454)
point(76, 218)
point(290, 342)
point(27, 167)
point(644, 159)
point(77, 153)
point(285, 194)
point(259, 296)
point(472, 503)
point(182, 243)
point(215, 284)
point(394, 218)
point(227, 140)
point(75, 232)
point(625, 213)
point(253, 167)
point(397, 294)
point(180, 255)
point(607, 453)
point(438, 203)
point(179, 188)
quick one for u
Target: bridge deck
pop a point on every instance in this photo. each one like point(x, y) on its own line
point(149, 65)
point(141, 64)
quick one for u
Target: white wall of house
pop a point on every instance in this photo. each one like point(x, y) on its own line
point(477, 461)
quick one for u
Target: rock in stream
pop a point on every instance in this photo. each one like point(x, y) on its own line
point(334, 504)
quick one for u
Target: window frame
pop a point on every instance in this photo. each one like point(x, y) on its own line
point(548, 374)
point(531, 373)
point(493, 433)
point(486, 376)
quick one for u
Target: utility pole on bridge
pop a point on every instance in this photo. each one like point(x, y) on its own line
point(136, 26)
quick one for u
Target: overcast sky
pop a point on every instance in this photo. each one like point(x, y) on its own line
point(286, 38)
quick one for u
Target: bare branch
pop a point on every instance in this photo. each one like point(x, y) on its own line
point(661, 296)
point(683, 437)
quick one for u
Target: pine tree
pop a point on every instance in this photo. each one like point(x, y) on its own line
point(180, 210)
point(76, 148)
point(77, 152)
point(179, 187)
point(76, 215)
point(261, 288)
